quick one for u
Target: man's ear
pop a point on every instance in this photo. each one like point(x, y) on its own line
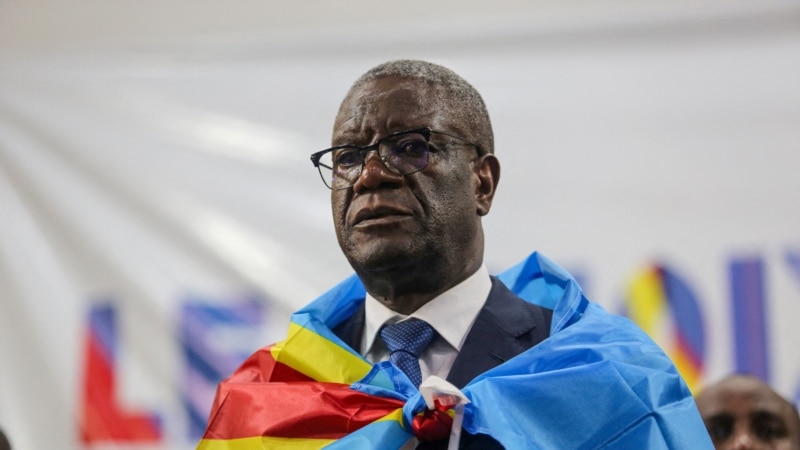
point(487, 170)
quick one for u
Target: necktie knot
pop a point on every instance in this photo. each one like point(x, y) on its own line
point(406, 341)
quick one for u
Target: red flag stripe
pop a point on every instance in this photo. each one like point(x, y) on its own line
point(296, 410)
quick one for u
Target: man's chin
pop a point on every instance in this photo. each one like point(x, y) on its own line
point(383, 259)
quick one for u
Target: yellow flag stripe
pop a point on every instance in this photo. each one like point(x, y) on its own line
point(319, 358)
point(263, 442)
point(396, 415)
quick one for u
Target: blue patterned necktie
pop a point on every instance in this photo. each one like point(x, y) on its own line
point(406, 340)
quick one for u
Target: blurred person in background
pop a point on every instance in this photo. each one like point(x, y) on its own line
point(743, 412)
point(4, 443)
point(412, 172)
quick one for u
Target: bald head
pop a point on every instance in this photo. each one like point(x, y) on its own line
point(464, 103)
point(743, 412)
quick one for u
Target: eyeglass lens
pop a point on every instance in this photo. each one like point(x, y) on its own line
point(401, 153)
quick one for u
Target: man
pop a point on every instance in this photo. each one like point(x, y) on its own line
point(4, 443)
point(414, 235)
point(412, 171)
point(743, 412)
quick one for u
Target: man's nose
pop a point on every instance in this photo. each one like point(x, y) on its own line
point(375, 174)
point(744, 440)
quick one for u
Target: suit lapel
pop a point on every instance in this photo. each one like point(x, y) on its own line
point(505, 327)
point(351, 330)
point(501, 331)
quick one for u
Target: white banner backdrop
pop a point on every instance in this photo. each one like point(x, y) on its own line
point(160, 218)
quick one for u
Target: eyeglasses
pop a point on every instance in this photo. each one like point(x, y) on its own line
point(402, 153)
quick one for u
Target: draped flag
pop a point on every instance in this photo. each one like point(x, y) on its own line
point(597, 381)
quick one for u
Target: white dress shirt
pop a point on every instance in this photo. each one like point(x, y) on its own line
point(451, 314)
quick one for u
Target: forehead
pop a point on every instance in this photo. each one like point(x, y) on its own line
point(390, 104)
point(742, 396)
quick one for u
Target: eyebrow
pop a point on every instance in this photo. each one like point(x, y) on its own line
point(716, 417)
point(767, 415)
point(759, 413)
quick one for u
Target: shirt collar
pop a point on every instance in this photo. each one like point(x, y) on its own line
point(451, 313)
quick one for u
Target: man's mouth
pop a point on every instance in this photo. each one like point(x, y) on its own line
point(380, 215)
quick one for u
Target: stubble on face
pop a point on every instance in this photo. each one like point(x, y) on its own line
point(431, 234)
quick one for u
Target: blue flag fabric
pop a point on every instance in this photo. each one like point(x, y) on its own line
point(598, 381)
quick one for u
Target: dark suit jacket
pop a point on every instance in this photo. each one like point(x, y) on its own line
point(505, 327)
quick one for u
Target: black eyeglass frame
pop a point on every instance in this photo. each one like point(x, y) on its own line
point(363, 150)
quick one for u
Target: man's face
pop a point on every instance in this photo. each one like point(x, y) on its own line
point(421, 223)
point(743, 413)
